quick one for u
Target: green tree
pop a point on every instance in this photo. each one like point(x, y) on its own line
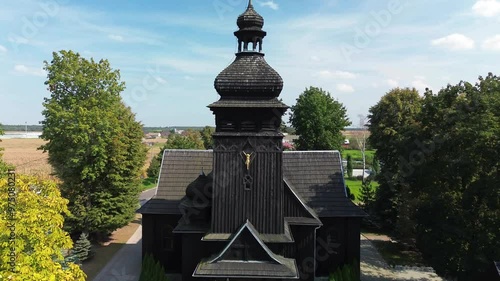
point(367, 194)
point(154, 167)
point(318, 120)
point(458, 206)
point(349, 166)
point(443, 163)
point(375, 167)
point(82, 247)
point(393, 127)
point(39, 237)
point(93, 141)
point(190, 140)
point(206, 136)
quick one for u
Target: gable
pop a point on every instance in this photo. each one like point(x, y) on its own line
point(247, 256)
point(246, 246)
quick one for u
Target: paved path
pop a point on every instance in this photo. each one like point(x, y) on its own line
point(374, 268)
point(126, 263)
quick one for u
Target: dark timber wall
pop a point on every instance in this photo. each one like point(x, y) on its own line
point(260, 197)
point(337, 244)
point(158, 240)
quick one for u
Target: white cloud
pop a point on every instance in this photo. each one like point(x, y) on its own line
point(336, 74)
point(3, 49)
point(454, 41)
point(492, 43)
point(18, 40)
point(271, 4)
point(420, 85)
point(20, 68)
point(392, 83)
point(345, 88)
point(320, 22)
point(315, 58)
point(116, 37)
point(487, 8)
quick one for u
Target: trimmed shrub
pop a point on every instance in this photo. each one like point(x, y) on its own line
point(348, 272)
point(152, 270)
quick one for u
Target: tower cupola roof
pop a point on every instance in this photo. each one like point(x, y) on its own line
point(250, 19)
point(249, 76)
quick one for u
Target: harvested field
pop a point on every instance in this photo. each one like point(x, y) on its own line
point(23, 154)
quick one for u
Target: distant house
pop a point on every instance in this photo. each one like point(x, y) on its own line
point(165, 134)
point(153, 136)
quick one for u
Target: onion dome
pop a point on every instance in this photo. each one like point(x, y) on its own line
point(250, 19)
point(249, 76)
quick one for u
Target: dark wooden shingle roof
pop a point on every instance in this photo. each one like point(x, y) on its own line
point(179, 169)
point(316, 176)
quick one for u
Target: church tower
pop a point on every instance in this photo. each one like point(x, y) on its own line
point(258, 213)
point(248, 173)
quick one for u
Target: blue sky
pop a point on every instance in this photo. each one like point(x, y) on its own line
point(169, 52)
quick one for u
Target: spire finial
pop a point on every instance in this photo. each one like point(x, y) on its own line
point(250, 4)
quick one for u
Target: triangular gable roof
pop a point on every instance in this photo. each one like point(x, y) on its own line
point(267, 265)
point(255, 234)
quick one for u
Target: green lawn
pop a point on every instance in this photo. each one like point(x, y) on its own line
point(355, 187)
point(357, 156)
point(148, 183)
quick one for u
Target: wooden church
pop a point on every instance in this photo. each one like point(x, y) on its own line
point(247, 210)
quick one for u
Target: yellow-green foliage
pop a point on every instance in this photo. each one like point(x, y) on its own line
point(39, 238)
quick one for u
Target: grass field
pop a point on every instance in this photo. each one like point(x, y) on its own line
point(356, 154)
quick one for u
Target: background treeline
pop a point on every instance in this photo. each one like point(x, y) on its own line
point(31, 128)
point(440, 173)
